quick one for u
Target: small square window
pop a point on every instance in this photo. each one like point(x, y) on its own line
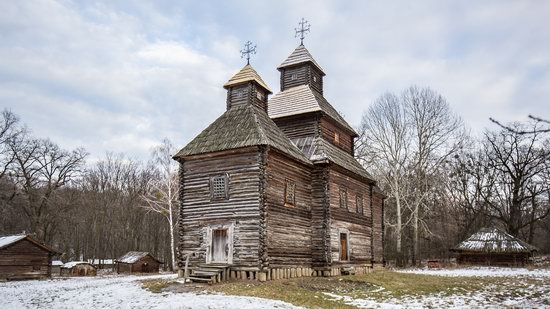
point(290, 193)
point(294, 76)
point(359, 203)
point(239, 93)
point(314, 78)
point(218, 187)
point(260, 96)
point(343, 198)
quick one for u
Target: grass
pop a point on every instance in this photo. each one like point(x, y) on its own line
point(379, 286)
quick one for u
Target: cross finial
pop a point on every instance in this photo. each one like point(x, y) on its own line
point(248, 49)
point(301, 32)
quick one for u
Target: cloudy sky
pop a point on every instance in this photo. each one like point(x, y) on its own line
point(121, 75)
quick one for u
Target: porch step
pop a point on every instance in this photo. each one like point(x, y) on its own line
point(209, 273)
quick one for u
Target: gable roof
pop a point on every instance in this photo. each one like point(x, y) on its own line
point(246, 74)
point(74, 263)
point(8, 240)
point(493, 240)
point(300, 100)
point(239, 127)
point(134, 256)
point(319, 150)
point(300, 55)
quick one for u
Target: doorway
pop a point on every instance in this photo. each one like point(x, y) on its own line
point(220, 246)
point(145, 267)
point(344, 247)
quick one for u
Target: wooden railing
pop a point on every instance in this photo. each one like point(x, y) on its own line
point(187, 256)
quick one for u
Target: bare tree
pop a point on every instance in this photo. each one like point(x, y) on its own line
point(162, 194)
point(9, 131)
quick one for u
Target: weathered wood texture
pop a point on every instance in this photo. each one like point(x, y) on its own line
point(320, 216)
point(299, 126)
point(24, 258)
point(328, 131)
point(146, 264)
point(349, 220)
point(247, 94)
point(198, 211)
point(301, 74)
point(378, 228)
point(289, 226)
point(494, 259)
point(80, 270)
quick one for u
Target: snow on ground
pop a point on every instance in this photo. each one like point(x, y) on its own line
point(521, 288)
point(481, 272)
point(115, 292)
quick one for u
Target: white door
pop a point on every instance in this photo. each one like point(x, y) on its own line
point(220, 246)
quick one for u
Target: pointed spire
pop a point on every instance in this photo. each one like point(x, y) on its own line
point(246, 74)
point(300, 55)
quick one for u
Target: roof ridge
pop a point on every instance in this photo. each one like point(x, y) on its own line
point(263, 136)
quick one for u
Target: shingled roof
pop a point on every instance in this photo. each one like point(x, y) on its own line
point(300, 100)
point(493, 240)
point(8, 240)
point(134, 256)
point(241, 126)
point(300, 55)
point(246, 74)
point(318, 150)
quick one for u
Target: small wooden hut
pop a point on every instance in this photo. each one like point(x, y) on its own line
point(494, 247)
point(56, 267)
point(137, 262)
point(23, 257)
point(78, 269)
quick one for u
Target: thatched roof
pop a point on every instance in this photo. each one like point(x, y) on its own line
point(318, 150)
point(246, 74)
point(134, 256)
point(298, 56)
point(239, 127)
point(300, 100)
point(493, 240)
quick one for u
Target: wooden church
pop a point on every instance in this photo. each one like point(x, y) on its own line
point(271, 189)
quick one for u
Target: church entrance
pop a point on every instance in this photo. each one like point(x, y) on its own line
point(220, 246)
point(344, 246)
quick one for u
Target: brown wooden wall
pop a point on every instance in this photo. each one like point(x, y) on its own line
point(341, 219)
point(378, 224)
point(288, 227)
point(198, 211)
point(298, 126)
point(248, 96)
point(328, 128)
point(24, 258)
point(320, 216)
point(306, 75)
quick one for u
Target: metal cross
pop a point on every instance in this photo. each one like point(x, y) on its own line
point(301, 32)
point(248, 49)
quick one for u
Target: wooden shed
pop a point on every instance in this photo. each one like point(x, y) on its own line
point(23, 257)
point(78, 269)
point(492, 246)
point(137, 262)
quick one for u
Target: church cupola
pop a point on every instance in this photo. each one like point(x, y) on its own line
point(247, 87)
point(300, 68)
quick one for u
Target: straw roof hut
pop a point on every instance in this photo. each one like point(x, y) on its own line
point(492, 246)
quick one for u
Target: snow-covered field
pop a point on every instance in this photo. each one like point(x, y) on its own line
point(515, 288)
point(115, 292)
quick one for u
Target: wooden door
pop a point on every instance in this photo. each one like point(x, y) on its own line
point(219, 246)
point(145, 267)
point(343, 247)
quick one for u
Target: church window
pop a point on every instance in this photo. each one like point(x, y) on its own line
point(218, 187)
point(290, 193)
point(359, 203)
point(260, 95)
point(294, 76)
point(315, 78)
point(336, 138)
point(343, 198)
point(239, 93)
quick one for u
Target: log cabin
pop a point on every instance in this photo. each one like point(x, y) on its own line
point(494, 247)
point(23, 257)
point(271, 189)
point(137, 262)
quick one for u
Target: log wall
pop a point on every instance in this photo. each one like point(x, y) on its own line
point(298, 127)
point(328, 130)
point(198, 211)
point(378, 227)
point(24, 258)
point(289, 226)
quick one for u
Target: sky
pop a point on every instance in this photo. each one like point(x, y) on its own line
point(119, 76)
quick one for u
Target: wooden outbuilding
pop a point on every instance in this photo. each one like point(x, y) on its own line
point(23, 257)
point(492, 246)
point(271, 189)
point(78, 269)
point(137, 262)
point(56, 267)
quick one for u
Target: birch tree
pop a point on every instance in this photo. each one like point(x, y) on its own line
point(163, 188)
